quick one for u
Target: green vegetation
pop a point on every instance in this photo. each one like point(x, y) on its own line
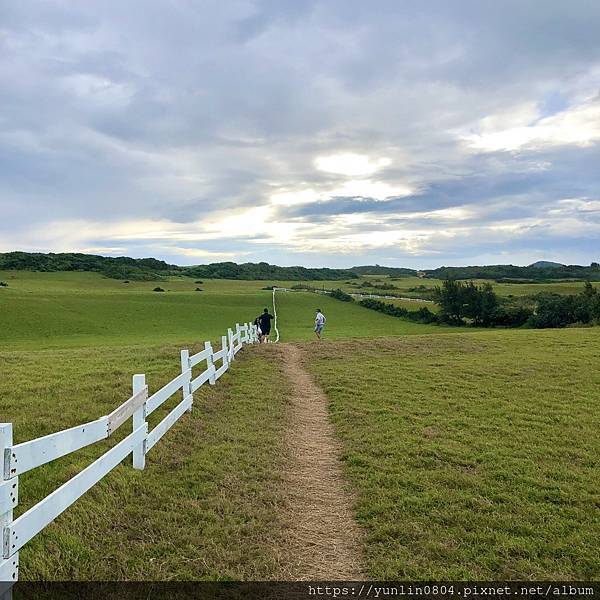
point(473, 455)
point(421, 315)
point(478, 305)
point(541, 271)
point(85, 309)
point(553, 310)
point(206, 505)
point(340, 295)
point(468, 462)
point(379, 270)
point(117, 268)
point(459, 300)
point(149, 269)
point(296, 313)
point(263, 271)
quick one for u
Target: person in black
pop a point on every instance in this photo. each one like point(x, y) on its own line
point(265, 324)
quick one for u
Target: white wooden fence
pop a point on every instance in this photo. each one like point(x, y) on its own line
point(16, 459)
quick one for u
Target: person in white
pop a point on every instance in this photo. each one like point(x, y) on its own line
point(319, 322)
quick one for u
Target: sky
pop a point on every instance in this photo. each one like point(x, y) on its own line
point(316, 132)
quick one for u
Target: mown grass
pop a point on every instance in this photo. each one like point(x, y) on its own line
point(408, 286)
point(296, 313)
point(58, 310)
point(473, 456)
point(205, 507)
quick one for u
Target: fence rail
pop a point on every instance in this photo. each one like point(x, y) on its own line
point(20, 458)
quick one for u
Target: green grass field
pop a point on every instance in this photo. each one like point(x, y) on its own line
point(45, 310)
point(405, 286)
point(473, 456)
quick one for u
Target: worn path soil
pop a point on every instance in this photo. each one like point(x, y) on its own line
point(322, 540)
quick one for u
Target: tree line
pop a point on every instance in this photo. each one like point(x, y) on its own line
point(468, 304)
point(149, 269)
point(514, 274)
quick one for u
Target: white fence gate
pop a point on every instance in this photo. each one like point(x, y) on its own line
point(20, 458)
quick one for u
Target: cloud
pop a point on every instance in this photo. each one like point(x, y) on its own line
point(317, 131)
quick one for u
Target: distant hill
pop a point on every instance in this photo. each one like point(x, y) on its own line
point(146, 269)
point(151, 269)
point(512, 272)
point(546, 264)
point(379, 270)
point(117, 268)
point(265, 271)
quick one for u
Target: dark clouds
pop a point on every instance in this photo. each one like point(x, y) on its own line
point(176, 122)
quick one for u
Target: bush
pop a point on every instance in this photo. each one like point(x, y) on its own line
point(341, 295)
point(199, 290)
point(158, 289)
point(3, 284)
point(555, 310)
point(511, 316)
point(422, 315)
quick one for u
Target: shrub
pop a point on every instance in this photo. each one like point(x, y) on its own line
point(422, 315)
point(341, 295)
point(158, 289)
point(3, 284)
point(511, 316)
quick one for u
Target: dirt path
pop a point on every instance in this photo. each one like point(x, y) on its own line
point(322, 539)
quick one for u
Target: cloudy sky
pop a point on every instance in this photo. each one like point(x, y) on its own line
point(316, 132)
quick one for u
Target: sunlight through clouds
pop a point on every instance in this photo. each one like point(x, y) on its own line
point(352, 165)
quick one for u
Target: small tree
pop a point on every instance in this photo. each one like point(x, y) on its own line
point(459, 300)
point(450, 297)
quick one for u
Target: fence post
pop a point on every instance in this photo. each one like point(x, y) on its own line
point(225, 347)
point(187, 384)
point(139, 419)
point(238, 332)
point(9, 498)
point(210, 363)
point(230, 351)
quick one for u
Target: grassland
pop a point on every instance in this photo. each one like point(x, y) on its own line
point(472, 456)
point(206, 505)
point(344, 319)
point(57, 310)
point(409, 286)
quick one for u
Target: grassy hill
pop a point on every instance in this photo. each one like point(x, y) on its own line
point(82, 309)
point(146, 269)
